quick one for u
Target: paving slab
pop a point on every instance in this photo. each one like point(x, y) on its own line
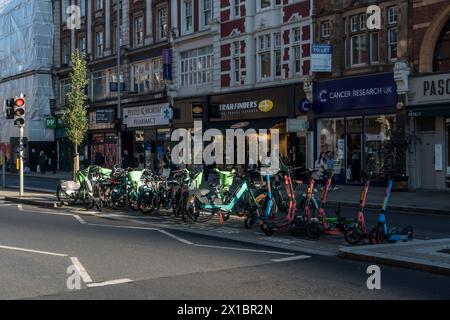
point(429, 255)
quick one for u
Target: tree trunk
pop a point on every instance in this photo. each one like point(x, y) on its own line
point(76, 162)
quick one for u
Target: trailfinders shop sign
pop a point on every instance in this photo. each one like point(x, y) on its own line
point(356, 93)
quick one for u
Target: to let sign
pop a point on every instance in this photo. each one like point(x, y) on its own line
point(321, 58)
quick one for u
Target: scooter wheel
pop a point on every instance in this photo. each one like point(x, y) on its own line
point(352, 236)
point(225, 216)
point(314, 230)
point(249, 221)
point(409, 231)
point(268, 229)
point(376, 235)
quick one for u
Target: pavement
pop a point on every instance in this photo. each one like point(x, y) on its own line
point(40, 249)
point(422, 201)
point(432, 255)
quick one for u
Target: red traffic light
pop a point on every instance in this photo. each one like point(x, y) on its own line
point(19, 102)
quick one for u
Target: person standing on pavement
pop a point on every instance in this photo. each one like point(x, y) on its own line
point(42, 161)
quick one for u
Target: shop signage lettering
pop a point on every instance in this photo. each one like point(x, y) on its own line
point(430, 89)
point(355, 93)
point(321, 55)
point(247, 107)
point(146, 116)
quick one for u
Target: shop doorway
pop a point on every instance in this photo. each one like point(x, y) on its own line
point(354, 147)
point(427, 161)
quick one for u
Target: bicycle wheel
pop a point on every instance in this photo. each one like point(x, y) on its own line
point(376, 235)
point(160, 203)
point(195, 212)
point(145, 202)
point(353, 236)
point(118, 199)
point(133, 200)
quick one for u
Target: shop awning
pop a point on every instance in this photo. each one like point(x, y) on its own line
point(246, 124)
point(429, 110)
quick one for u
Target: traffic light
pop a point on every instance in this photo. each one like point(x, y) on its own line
point(10, 109)
point(19, 111)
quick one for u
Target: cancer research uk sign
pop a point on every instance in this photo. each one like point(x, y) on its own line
point(146, 116)
point(321, 58)
point(365, 92)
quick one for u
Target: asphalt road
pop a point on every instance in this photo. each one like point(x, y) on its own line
point(38, 245)
point(44, 184)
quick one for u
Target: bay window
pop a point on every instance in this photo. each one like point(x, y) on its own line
point(147, 76)
point(196, 66)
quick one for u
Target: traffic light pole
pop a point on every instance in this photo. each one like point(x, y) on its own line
point(21, 156)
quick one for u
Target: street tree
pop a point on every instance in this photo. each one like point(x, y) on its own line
point(75, 117)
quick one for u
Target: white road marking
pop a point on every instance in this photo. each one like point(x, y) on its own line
point(109, 283)
point(121, 227)
point(34, 251)
point(291, 258)
point(243, 249)
point(81, 270)
point(80, 219)
point(175, 237)
point(20, 207)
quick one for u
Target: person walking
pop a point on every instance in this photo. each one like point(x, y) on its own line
point(42, 161)
point(320, 166)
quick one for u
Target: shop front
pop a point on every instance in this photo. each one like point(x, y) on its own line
point(262, 109)
point(103, 139)
point(354, 117)
point(147, 135)
point(429, 120)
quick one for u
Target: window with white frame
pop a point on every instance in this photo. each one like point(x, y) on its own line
point(392, 32)
point(98, 5)
point(147, 76)
point(296, 50)
point(112, 78)
point(265, 3)
point(66, 53)
point(374, 47)
point(236, 8)
point(138, 31)
point(64, 89)
point(265, 57)
point(358, 49)
point(64, 7)
point(236, 66)
point(325, 29)
point(188, 16)
point(196, 66)
point(392, 43)
point(99, 85)
point(354, 23)
point(392, 15)
point(82, 44)
point(362, 21)
point(277, 53)
point(207, 12)
point(99, 45)
point(82, 4)
point(162, 23)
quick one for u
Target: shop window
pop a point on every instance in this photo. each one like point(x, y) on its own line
point(426, 124)
point(377, 131)
point(447, 121)
point(331, 142)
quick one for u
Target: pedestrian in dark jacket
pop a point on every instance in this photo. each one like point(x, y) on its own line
point(42, 161)
point(126, 160)
point(53, 161)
